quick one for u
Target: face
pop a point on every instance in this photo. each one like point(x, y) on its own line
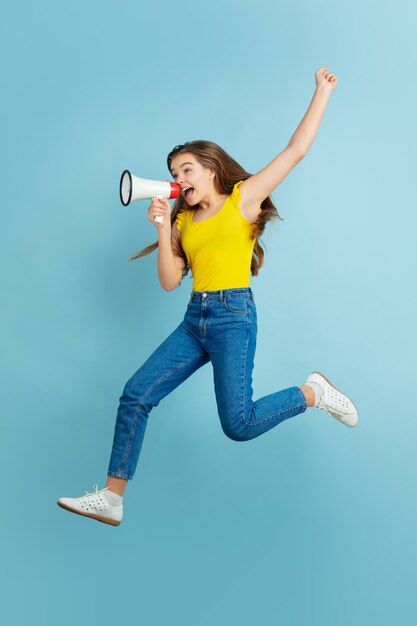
point(195, 180)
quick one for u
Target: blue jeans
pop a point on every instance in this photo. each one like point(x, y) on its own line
point(218, 326)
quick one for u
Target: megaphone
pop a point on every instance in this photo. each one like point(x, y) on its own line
point(135, 188)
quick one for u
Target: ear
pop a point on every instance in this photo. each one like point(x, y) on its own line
point(210, 172)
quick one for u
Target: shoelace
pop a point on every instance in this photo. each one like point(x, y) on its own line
point(317, 408)
point(94, 493)
point(334, 411)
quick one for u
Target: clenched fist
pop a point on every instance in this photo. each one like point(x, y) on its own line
point(325, 78)
point(160, 206)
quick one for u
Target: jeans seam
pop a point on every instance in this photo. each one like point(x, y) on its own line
point(125, 458)
point(303, 398)
point(242, 379)
point(119, 475)
point(282, 411)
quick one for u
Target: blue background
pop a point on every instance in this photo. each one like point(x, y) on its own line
point(312, 523)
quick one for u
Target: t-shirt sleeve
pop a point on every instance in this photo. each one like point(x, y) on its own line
point(235, 195)
point(180, 220)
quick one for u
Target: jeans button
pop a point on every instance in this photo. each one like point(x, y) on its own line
point(204, 295)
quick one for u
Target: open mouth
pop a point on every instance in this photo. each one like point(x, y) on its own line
point(188, 193)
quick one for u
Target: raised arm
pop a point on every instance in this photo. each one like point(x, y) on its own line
point(255, 189)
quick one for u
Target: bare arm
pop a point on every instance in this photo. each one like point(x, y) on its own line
point(309, 125)
point(255, 189)
point(170, 265)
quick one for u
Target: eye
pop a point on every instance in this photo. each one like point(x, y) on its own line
point(187, 169)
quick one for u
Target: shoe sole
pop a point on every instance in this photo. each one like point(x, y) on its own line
point(99, 518)
point(357, 412)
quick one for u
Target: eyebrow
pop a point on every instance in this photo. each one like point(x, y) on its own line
point(186, 163)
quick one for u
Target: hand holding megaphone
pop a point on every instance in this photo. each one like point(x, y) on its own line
point(159, 212)
point(135, 188)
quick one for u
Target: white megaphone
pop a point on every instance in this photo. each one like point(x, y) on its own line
point(135, 188)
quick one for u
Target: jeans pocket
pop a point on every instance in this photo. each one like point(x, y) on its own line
point(236, 304)
point(252, 307)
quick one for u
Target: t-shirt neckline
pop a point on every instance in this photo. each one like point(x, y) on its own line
point(208, 218)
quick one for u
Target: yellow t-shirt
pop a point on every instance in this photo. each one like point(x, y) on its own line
point(218, 249)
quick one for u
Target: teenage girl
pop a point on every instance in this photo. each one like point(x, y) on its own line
point(213, 230)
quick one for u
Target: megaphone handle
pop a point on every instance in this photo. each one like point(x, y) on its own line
point(159, 218)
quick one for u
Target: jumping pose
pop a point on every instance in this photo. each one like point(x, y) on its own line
point(213, 229)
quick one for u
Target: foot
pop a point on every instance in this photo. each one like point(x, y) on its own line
point(95, 505)
point(334, 402)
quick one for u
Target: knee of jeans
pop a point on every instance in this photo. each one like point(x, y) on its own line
point(235, 432)
point(133, 391)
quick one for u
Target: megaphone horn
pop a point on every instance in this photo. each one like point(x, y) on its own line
point(135, 188)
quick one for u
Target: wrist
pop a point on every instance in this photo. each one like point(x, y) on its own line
point(164, 233)
point(324, 88)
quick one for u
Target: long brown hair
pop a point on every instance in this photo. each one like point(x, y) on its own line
point(228, 173)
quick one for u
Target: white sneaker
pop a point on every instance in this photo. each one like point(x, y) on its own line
point(334, 401)
point(95, 505)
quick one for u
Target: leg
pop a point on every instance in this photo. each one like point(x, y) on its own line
point(179, 356)
point(309, 394)
point(232, 354)
point(117, 485)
